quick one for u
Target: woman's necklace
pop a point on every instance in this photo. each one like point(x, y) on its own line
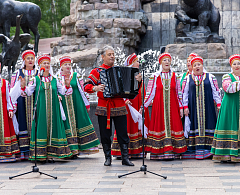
point(166, 87)
point(198, 82)
point(47, 83)
point(27, 74)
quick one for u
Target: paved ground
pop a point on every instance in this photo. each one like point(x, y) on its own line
point(87, 175)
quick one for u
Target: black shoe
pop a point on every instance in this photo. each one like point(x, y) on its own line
point(42, 162)
point(51, 161)
point(107, 162)
point(75, 156)
point(124, 152)
point(127, 162)
point(107, 152)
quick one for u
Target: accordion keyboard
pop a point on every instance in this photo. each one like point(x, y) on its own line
point(135, 86)
point(104, 81)
point(119, 82)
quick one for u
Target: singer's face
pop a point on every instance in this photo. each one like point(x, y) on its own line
point(46, 64)
point(66, 68)
point(197, 68)
point(135, 64)
point(109, 58)
point(189, 66)
point(29, 62)
point(236, 67)
point(166, 62)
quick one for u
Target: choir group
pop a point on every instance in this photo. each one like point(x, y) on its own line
point(189, 119)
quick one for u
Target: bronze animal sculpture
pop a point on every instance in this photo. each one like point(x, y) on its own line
point(198, 16)
point(13, 47)
point(10, 9)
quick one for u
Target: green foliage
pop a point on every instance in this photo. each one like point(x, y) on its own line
point(52, 13)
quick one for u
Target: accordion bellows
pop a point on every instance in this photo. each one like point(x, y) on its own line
point(120, 82)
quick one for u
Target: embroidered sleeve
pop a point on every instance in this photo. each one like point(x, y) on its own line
point(229, 86)
point(179, 92)
point(64, 90)
point(15, 92)
point(92, 81)
point(80, 88)
point(28, 91)
point(185, 91)
point(10, 106)
point(60, 79)
point(215, 89)
point(14, 78)
point(179, 76)
point(184, 83)
point(151, 89)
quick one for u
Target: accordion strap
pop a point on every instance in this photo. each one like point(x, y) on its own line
point(100, 69)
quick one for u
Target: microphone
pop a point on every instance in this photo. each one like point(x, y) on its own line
point(142, 64)
point(42, 70)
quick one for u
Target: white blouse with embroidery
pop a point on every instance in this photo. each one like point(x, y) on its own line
point(199, 79)
point(25, 72)
point(62, 89)
point(15, 91)
point(9, 100)
point(228, 85)
point(152, 85)
point(84, 95)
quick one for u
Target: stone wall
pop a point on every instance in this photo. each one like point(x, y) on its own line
point(161, 25)
point(93, 24)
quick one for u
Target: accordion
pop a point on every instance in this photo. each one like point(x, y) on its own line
point(120, 82)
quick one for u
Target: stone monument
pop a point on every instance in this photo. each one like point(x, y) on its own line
point(95, 23)
point(13, 47)
point(198, 31)
point(198, 22)
point(10, 9)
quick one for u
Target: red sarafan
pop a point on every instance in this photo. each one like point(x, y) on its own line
point(165, 132)
point(8, 140)
point(135, 135)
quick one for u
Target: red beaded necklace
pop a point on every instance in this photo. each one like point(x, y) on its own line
point(199, 82)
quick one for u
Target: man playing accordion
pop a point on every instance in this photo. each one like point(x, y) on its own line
point(109, 109)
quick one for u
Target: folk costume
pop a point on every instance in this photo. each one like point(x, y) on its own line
point(78, 127)
point(185, 74)
point(134, 133)
point(199, 94)
point(185, 120)
point(165, 136)
point(51, 137)
point(226, 139)
point(24, 106)
point(108, 110)
point(8, 140)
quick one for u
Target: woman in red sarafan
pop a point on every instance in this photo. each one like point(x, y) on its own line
point(165, 136)
point(134, 133)
point(8, 141)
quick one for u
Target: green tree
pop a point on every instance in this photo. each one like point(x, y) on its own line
point(52, 13)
